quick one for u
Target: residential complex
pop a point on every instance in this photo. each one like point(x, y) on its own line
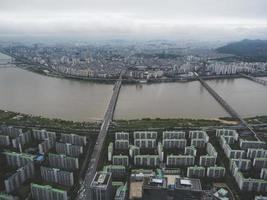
point(45, 166)
point(137, 165)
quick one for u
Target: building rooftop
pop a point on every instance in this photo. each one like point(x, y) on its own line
point(101, 179)
point(155, 182)
point(47, 187)
point(136, 189)
point(4, 196)
point(188, 184)
point(23, 155)
point(121, 191)
point(260, 197)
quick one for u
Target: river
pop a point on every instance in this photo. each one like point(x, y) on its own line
point(245, 96)
point(167, 100)
point(31, 93)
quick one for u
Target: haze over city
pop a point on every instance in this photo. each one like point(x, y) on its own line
point(133, 99)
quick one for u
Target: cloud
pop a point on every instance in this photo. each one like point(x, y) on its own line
point(145, 18)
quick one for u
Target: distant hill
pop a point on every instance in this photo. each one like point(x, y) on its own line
point(249, 50)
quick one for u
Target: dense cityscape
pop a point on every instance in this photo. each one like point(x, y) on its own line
point(133, 100)
point(222, 162)
point(155, 61)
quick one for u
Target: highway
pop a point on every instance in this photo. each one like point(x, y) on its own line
point(98, 148)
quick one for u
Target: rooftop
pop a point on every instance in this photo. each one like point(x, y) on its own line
point(188, 184)
point(47, 187)
point(101, 179)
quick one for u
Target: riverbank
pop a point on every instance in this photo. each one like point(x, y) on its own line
point(166, 124)
point(24, 120)
point(34, 68)
point(48, 71)
point(259, 123)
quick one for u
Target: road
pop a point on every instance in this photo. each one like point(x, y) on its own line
point(98, 148)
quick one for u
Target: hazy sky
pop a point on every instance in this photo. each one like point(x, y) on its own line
point(196, 19)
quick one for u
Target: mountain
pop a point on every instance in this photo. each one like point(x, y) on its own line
point(249, 50)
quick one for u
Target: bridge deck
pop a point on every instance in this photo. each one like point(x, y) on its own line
point(98, 148)
point(225, 105)
point(255, 79)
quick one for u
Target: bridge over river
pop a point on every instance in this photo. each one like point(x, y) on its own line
point(255, 79)
point(98, 148)
point(225, 105)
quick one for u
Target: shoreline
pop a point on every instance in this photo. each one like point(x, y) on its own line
point(92, 128)
point(17, 116)
point(40, 69)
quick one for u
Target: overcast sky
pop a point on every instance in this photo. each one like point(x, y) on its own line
point(187, 19)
